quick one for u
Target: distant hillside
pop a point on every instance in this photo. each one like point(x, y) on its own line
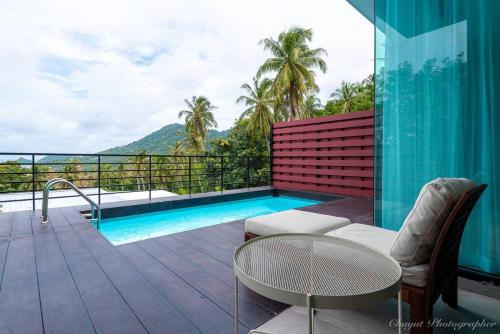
point(158, 142)
point(24, 161)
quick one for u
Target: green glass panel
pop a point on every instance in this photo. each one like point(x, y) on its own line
point(438, 111)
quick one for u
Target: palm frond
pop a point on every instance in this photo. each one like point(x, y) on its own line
point(273, 46)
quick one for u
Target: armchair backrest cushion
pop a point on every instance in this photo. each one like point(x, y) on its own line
point(416, 238)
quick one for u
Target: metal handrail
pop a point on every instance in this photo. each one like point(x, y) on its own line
point(45, 201)
point(216, 171)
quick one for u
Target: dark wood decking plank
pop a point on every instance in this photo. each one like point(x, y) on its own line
point(234, 230)
point(62, 306)
point(21, 225)
point(5, 231)
point(221, 254)
point(36, 223)
point(230, 231)
point(252, 314)
point(206, 315)
point(215, 237)
point(65, 276)
point(219, 270)
point(6, 224)
point(107, 309)
point(198, 258)
point(19, 299)
point(155, 312)
point(59, 222)
point(238, 228)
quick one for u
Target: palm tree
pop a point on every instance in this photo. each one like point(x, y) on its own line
point(177, 149)
point(41, 173)
point(345, 95)
point(138, 162)
point(259, 102)
point(107, 176)
point(292, 62)
point(192, 142)
point(281, 110)
point(121, 174)
point(367, 90)
point(199, 118)
point(181, 163)
point(70, 171)
point(160, 170)
point(311, 105)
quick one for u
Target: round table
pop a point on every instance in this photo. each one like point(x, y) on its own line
point(316, 271)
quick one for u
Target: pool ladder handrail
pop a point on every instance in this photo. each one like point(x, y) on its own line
point(95, 208)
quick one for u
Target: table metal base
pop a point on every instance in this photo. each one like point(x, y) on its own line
point(310, 312)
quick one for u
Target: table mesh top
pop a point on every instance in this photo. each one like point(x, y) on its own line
point(316, 264)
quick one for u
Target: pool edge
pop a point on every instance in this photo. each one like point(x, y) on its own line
point(125, 208)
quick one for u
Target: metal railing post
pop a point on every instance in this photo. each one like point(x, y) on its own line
point(248, 172)
point(150, 177)
point(189, 172)
point(33, 181)
point(99, 179)
point(221, 173)
point(204, 180)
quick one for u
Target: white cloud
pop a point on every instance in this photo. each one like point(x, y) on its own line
point(85, 77)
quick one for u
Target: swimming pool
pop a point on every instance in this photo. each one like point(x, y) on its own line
point(122, 230)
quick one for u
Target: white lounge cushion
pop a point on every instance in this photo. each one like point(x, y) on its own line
point(372, 236)
point(416, 239)
point(293, 221)
point(382, 240)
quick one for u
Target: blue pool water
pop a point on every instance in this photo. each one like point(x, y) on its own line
point(122, 230)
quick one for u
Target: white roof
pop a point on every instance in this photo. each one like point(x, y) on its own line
point(55, 202)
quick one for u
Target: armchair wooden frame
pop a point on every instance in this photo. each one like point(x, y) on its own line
point(442, 277)
point(443, 265)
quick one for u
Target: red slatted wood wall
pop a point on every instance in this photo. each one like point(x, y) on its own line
point(332, 154)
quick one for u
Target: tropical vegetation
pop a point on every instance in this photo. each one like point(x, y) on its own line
point(260, 102)
point(349, 97)
point(283, 88)
point(198, 119)
point(292, 65)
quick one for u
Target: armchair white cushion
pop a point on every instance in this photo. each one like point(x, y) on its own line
point(415, 241)
point(382, 240)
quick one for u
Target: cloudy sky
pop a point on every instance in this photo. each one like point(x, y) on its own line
point(89, 75)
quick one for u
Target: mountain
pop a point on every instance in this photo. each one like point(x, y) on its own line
point(24, 161)
point(158, 142)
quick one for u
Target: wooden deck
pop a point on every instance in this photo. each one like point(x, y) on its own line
point(64, 277)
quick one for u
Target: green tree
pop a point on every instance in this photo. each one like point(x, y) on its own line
point(198, 119)
point(292, 62)
point(108, 178)
point(365, 96)
point(139, 166)
point(42, 174)
point(259, 101)
point(160, 171)
point(70, 171)
point(177, 149)
point(179, 170)
point(345, 95)
point(121, 174)
point(241, 144)
point(311, 106)
point(351, 97)
point(15, 177)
